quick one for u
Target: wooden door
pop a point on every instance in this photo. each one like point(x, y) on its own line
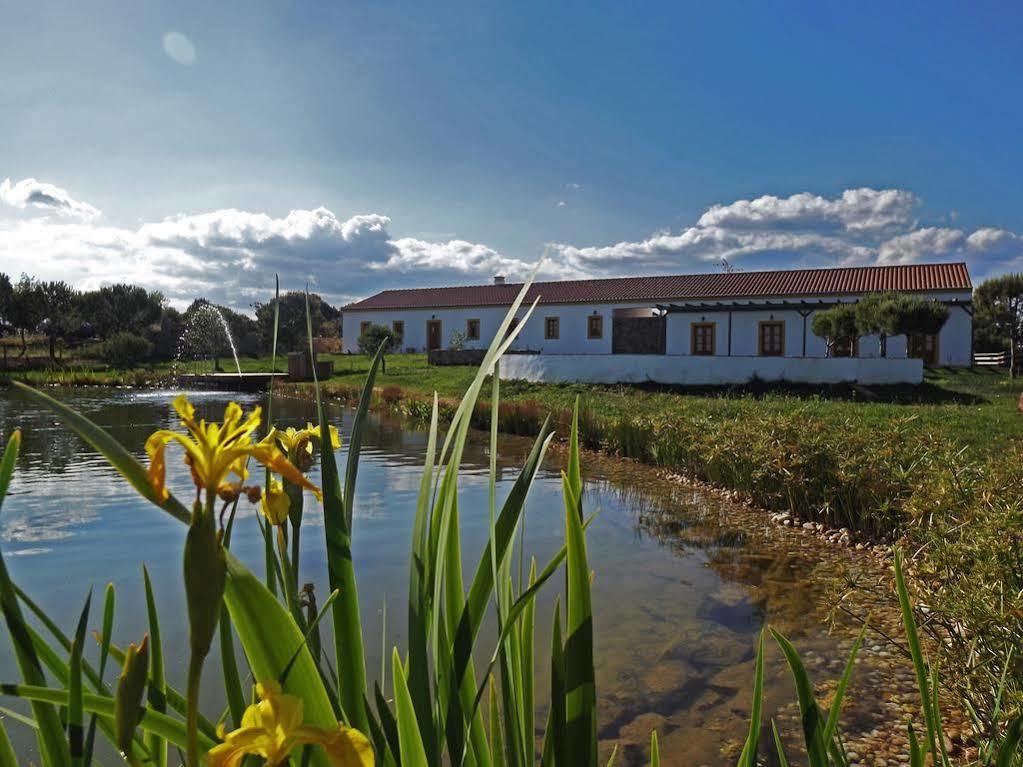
point(432, 335)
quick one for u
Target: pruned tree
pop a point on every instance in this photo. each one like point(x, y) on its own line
point(896, 314)
point(376, 336)
point(836, 325)
point(999, 312)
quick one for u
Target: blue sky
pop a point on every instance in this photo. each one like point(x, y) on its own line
point(363, 146)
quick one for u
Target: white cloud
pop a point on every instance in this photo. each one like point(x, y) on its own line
point(857, 227)
point(560, 204)
point(231, 255)
point(30, 192)
point(179, 48)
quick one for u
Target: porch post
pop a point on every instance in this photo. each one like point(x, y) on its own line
point(729, 332)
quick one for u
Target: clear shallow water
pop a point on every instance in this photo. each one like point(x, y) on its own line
point(680, 591)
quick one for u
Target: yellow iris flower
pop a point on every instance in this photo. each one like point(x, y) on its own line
point(295, 440)
point(214, 451)
point(275, 504)
point(272, 729)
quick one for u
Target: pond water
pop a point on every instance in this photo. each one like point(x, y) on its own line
point(682, 586)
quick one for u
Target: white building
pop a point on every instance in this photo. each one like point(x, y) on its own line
point(687, 318)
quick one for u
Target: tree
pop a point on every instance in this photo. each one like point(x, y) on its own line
point(897, 314)
point(376, 336)
point(999, 312)
point(836, 325)
point(26, 309)
point(6, 301)
point(57, 299)
point(117, 308)
point(292, 331)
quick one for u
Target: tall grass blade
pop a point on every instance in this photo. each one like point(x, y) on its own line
point(655, 751)
point(752, 745)
point(7, 757)
point(171, 730)
point(349, 653)
point(109, 602)
point(580, 684)
point(836, 705)
point(810, 714)
point(778, 747)
point(229, 663)
point(916, 653)
point(1009, 749)
point(157, 688)
point(52, 746)
point(75, 721)
point(916, 754)
point(410, 742)
point(555, 744)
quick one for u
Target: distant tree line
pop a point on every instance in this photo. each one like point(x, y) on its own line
point(132, 324)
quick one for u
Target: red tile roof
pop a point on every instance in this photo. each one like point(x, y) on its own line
point(685, 287)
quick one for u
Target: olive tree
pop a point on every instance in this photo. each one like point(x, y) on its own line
point(836, 325)
point(376, 337)
point(897, 314)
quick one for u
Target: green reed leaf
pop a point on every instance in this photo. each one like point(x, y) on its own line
point(52, 745)
point(580, 693)
point(109, 602)
point(270, 637)
point(1009, 748)
point(7, 757)
point(157, 687)
point(752, 745)
point(166, 727)
point(349, 655)
point(836, 705)
point(555, 742)
point(813, 722)
point(655, 751)
point(229, 667)
point(778, 747)
point(75, 723)
point(916, 755)
point(410, 742)
point(916, 653)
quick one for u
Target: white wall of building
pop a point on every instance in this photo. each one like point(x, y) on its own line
point(706, 371)
point(954, 344)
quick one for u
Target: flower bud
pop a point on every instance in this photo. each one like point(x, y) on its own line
point(205, 577)
point(130, 688)
point(253, 493)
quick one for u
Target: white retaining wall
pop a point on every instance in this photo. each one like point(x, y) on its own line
point(706, 371)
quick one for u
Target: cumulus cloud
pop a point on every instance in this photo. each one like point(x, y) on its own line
point(857, 227)
point(231, 255)
point(30, 192)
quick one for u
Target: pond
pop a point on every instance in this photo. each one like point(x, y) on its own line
point(683, 581)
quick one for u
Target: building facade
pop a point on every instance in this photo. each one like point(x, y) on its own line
point(737, 314)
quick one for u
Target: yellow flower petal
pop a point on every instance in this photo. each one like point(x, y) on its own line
point(275, 504)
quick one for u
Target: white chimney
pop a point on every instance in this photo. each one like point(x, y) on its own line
point(499, 279)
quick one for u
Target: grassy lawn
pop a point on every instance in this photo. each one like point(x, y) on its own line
point(975, 408)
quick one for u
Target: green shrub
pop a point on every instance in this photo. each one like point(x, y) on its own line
point(126, 350)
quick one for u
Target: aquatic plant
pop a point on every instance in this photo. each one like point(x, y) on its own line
point(315, 705)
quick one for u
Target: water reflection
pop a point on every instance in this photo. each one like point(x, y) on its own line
point(681, 586)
